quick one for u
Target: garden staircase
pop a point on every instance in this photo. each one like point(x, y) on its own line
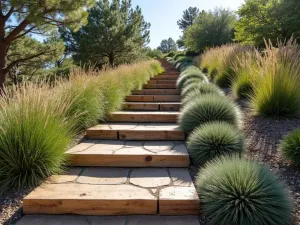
point(135, 163)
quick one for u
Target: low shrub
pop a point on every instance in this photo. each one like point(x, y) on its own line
point(276, 86)
point(209, 108)
point(192, 74)
point(193, 80)
point(213, 140)
point(241, 192)
point(290, 147)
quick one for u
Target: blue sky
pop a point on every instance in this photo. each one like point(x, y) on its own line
point(163, 15)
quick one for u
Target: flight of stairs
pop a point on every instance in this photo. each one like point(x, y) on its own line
point(135, 163)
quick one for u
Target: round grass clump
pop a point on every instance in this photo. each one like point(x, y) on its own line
point(241, 192)
point(242, 87)
point(290, 147)
point(209, 108)
point(213, 140)
point(186, 76)
point(201, 88)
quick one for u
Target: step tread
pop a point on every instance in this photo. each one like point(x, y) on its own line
point(111, 220)
point(120, 153)
point(137, 126)
point(145, 113)
point(114, 191)
point(153, 98)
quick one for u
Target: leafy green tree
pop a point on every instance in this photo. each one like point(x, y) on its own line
point(269, 19)
point(21, 17)
point(188, 18)
point(27, 56)
point(154, 53)
point(115, 34)
point(167, 45)
point(213, 28)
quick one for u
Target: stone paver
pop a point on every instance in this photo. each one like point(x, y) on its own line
point(181, 177)
point(69, 176)
point(108, 220)
point(106, 176)
point(150, 177)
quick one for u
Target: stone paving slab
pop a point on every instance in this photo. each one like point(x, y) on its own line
point(136, 131)
point(108, 220)
point(133, 116)
point(115, 191)
point(120, 153)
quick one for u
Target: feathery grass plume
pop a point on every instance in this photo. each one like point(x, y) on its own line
point(209, 108)
point(276, 87)
point(34, 135)
point(219, 62)
point(241, 192)
point(290, 147)
point(213, 140)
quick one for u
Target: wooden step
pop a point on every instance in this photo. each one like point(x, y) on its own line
point(153, 98)
point(170, 72)
point(136, 131)
point(160, 86)
point(148, 117)
point(156, 106)
point(115, 191)
point(119, 153)
point(108, 220)
point(157, 92)
point(165, 77)
point(162, 82)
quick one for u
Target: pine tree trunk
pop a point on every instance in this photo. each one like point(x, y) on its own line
point(111, 59)
point(2, 64)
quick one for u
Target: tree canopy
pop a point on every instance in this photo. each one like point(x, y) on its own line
point(22, 17)
point(167, 45)
point(115, 34)
point(212, 28)
point(269, 19)
point(188, 18)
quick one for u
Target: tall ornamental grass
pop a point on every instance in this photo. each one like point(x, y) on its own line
point(276, 86)
point(219, 62)
point(39, 121)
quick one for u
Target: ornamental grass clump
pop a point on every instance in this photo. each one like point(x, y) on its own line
point(276, 87)
point(290, 147)
point(34, 135)
point(213, 140)
point(192, 74)
point(201, 88)
point(237, 191)
point(209, 108)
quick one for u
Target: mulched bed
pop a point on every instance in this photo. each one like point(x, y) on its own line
point(263, 135)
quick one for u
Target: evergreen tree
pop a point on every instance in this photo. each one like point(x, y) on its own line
point(188, 18)
point(115, 34)
point(21, 17)
point(167, 45)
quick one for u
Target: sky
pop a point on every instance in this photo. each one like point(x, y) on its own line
point(163, 15)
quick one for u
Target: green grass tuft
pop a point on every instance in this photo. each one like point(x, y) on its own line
point(195, 74)
point(241, 192)
point(213, 140)
point(290, 147)
point(209, 108)
point(202, 88)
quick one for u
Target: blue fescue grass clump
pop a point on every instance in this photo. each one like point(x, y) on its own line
point(209, 108)
point(290, 147)
point(213, 140)
point(241, 192)
point(195, 74)
point(200, 88)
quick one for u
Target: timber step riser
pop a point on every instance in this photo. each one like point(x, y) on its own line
point(136, 135)
point(164, 118)
point(153, 98)
point(165, 77)
point(160, 86)
point(157, 92)
point(152, 106)
point(173, 82)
